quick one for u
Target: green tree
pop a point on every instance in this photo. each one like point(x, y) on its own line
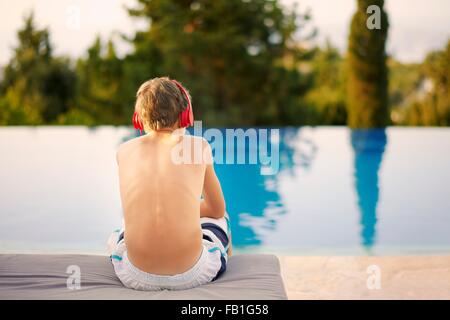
point(36, 87)
point(327, 94)
point(437, 69)
point(230, 53)
point(404, 82)
point(430, 103)
point(99, 87)
point(367, 83)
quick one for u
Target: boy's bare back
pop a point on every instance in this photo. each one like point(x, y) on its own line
point(162, 203)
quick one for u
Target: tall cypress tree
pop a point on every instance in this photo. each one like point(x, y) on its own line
point(367, 84)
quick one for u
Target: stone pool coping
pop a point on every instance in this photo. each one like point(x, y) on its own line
point(345, 277)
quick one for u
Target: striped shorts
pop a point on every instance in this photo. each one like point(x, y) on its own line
point(211, 264)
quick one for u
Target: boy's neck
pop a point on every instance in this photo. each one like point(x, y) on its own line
point(164, 130)
point(168, 130)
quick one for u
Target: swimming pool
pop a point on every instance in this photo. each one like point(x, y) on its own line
point(337, 191)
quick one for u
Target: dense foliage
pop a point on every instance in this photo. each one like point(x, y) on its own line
point(429, 105)
point(243, 62)
point(36, 87)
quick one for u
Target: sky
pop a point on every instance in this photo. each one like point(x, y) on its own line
point(416, 26)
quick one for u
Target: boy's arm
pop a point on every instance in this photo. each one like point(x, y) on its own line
point(213, 204)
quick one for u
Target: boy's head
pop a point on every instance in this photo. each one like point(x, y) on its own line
point(159, 102)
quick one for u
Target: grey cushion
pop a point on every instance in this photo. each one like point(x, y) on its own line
point(36, 276)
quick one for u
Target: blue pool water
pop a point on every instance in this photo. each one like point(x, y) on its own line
point(337, 191)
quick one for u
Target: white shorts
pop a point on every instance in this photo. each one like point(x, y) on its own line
point(211, 264)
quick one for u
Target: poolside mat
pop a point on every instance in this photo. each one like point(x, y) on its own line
point(39, 276)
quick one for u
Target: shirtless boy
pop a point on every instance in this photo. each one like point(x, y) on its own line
point(176, 233)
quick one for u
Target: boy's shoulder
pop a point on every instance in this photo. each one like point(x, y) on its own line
point(197, 139)
point(126, 146)
point(200, 149)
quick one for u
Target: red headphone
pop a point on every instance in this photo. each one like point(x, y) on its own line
point(186, 116)
point(137, 123)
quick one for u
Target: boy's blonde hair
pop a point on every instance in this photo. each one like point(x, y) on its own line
point(159, 103)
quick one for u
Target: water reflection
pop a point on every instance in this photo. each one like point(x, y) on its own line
point(296, 150)
point(253, 200)
point(59, 191)
point(368, 147)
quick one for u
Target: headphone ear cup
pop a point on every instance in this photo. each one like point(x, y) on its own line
point(137, 122)
point(186, 117)
point(134, 120)
point(184, 121)
point(190, 115)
